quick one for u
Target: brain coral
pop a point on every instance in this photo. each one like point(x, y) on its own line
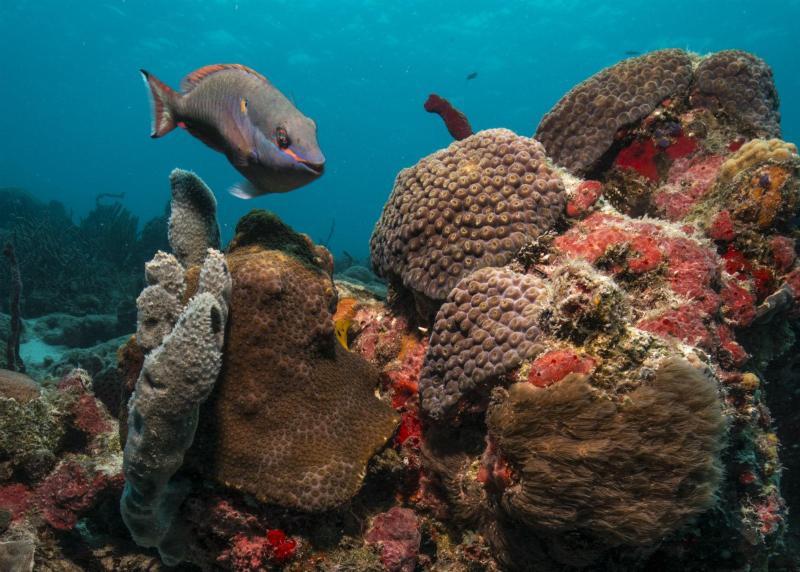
point(471, 205)
point(743, 87)
point(487, 326)
point(294, 419)
point(581, 126)
point(626, 472)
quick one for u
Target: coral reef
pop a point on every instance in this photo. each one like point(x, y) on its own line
point(61, 468)
point(608, 385)
point(470, 205)
point(633, 311)
point(296, 434)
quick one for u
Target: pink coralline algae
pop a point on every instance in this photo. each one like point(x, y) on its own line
point(584, 197)
point(639, 156)
point(254, 553)
point(554, 365)
point(687, 181)
point(70, 491)
point(65, 478)
point(15, 499)
point(397, 536)
point(738, 304)
point(684, 267)
point(783, 250)
point(721, 227)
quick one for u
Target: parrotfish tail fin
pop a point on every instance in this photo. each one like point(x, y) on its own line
point(244, 190)
point(162, 98)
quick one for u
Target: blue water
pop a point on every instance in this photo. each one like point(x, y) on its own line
point(74, 113)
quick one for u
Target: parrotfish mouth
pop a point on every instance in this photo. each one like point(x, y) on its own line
point(315, 168)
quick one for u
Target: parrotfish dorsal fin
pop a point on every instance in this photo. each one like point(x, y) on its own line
point(198, 75)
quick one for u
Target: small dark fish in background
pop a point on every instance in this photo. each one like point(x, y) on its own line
point(472, 75)
point(237, 111)
point(632, 53)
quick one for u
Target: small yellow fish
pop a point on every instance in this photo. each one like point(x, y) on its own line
point(343, 318)
point(340, 329)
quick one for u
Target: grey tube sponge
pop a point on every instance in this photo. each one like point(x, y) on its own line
point(193, 226)
point(165, 270)
point(159, 304)
point(176, 378)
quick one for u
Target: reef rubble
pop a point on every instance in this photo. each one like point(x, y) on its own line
point(584, 358)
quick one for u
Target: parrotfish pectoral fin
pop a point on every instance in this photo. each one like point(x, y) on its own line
point(162, 98)
point(244, 190)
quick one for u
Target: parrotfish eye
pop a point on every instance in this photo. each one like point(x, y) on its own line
point(282, 138)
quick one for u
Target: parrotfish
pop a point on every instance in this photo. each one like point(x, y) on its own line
point(238, 112)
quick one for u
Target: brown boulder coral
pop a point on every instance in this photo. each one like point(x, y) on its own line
point(15, 385)
point(471, 205)
point(486, 328)
point(742, 86)
point(581, 126)
point(624, 472)
point(294, 418)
